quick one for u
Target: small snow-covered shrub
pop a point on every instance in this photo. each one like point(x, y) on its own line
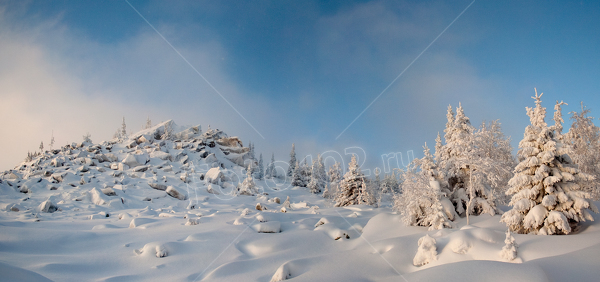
point(427, 251)
point(509, 251)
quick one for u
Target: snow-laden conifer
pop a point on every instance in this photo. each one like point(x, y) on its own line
point(293, 163)
point(584, 139)
point(421, 200)
point(350, 185)
point(317, 181)
point(546, 187)
point(297, 176)
point(248, 187)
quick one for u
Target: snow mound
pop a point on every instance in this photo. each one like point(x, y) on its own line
point(283, 273)
point(156, 249)
point(268, 227)
point(137, 222)
point(426, 252)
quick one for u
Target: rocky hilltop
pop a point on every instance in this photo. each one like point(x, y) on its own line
point(162, 166)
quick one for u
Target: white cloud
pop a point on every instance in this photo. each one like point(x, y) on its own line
point(51, 79)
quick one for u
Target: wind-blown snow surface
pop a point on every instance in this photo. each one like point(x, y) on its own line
point(134, 232)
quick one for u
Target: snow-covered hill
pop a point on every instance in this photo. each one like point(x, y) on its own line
point(147, 168)
point(163, 205)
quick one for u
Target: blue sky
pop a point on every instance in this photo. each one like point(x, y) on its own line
point(297, 71)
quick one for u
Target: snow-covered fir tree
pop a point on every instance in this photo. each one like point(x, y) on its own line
point(390, 184)
point(438, 148)
point(458, 146)
point(305, 173)
point(509, 251)
point(251, 151)
point(558, 120)
point(473, 165)
point(260, 171)
point(248, 187)
point(377, 181)
point(52, 141)
point(42, 147)
point(270, 171)
point(123, 129)
point(421, 201)
point(350, 186)
point(293, 162)
point(366, 194)
point(492, 146)
point(584, 139)
point(318, 180)
point(297, 176)
point(87, 138)
point(314, 183)
point(546, 188)
point(148, 123)
point(334, 175)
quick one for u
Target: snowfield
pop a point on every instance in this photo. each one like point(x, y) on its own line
point(165, 206)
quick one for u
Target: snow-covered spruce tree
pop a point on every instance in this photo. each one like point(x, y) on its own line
point(546, 188)
point(334, 174)
point(377, 181)
point(366, 195)
point(349, 187)
point(509, 251)
point(87, 139)
point(123, 132)
point(474, 163)
point(297, 176)
point(305, 173)
point(492, 146)
point(421, 200)
point(390, 183)
point(458, 135)
point(318, 178)
point(270, 167)
point(584, 139)
point(251, 151)
point(52, 140)
point(42, 147)
point(314, 183)
point(260, 172)
point(168, 131)
point(148, 123)
point(248, 187)
point(293, 163)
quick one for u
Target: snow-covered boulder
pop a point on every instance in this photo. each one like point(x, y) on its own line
point(268, 227)
point(214, 175)
point(47, 206)
point(210, 189)
point(158, 186)
point(130, 161)
point(284, 272)
point(97, 197)
point(161, 155)
point(173, 192)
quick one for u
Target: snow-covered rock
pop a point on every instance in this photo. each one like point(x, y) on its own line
point(214, 175)
point(173, 192)
point(268, 227)
point(47, 206)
